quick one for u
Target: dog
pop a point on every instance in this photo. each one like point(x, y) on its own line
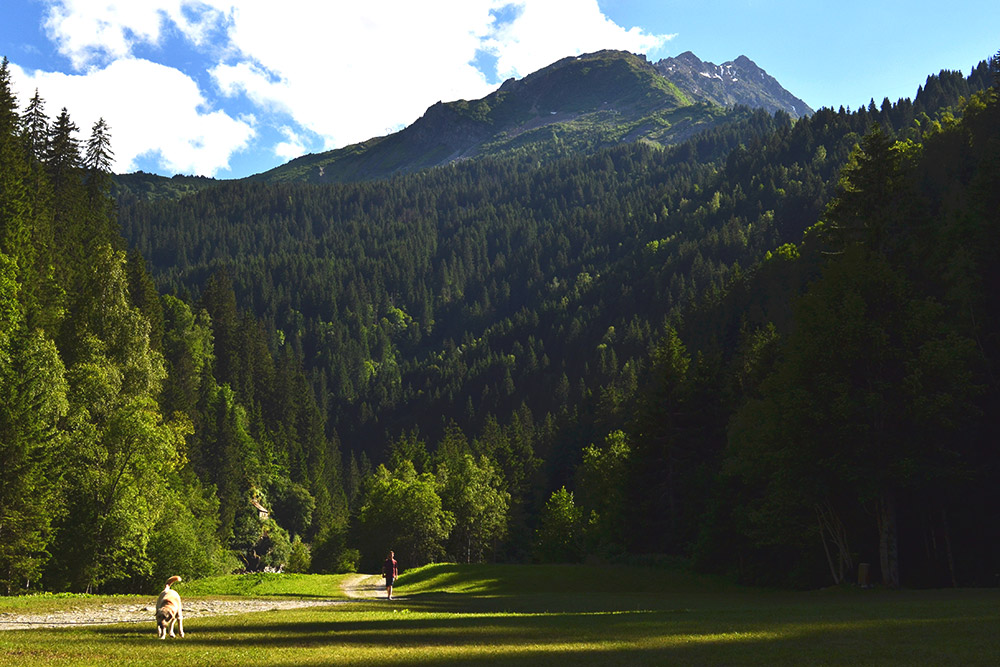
point(168, 611)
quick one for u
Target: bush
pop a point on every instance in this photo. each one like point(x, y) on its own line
point(299, 558)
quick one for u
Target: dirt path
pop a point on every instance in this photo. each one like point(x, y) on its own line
point(356, 586)
point(143, 613)
point(363, 586)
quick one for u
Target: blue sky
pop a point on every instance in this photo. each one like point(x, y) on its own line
point(233, 87)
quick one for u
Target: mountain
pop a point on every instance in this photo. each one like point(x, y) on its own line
point(738, 81)
point(578, 104)
point(153, 186)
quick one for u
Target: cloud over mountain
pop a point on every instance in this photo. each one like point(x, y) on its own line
point(233, 76)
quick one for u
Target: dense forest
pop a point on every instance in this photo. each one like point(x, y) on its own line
point(769, 350)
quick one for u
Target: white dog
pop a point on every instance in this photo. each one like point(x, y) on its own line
point(168, 611)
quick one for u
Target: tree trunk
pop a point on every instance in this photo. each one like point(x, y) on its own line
point(888, 540)
point(947, 543)
point(829, 559)
point(830, 526)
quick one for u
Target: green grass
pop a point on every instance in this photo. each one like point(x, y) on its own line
point(526, 615)
point(52, 602)
point(265, 585)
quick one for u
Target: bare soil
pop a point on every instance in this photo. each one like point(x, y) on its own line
point(363, 586)
point(144, 612)
point(356, 586)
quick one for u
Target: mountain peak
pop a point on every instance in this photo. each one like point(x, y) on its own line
point(579, 103)
point(739, 81)
point(690, 57)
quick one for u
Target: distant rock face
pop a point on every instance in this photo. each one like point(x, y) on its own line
point(738, 81)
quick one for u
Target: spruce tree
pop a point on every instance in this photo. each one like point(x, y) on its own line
point(14, 212)
point(97, 162)
point(63, 155)
point(35, 128)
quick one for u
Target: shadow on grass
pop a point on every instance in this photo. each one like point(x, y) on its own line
point(448, 629)
point(407, 631)
point(640, 638)
point(333, 597)
point(539, 604)
point(383, 643)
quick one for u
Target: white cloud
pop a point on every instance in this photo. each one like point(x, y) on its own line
point(293, 146)
point(545, 31)
point(94, 32)
point(350, 72)
point(342, 71)
point(161, 111)
point(372, 67)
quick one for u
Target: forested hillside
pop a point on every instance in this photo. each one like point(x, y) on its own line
point(770, 348)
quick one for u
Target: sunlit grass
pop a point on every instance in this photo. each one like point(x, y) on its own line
point(460, 615)
point(266, 584)
point(241, 585)
point(47, 602)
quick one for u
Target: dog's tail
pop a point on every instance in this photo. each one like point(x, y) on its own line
point(172, 580)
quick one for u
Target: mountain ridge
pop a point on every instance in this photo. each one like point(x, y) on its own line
point(584, 102)
point(740, 81)
point(577, 104)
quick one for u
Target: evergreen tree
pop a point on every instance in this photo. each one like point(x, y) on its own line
point(99, 157)
point(63, 157)
point(14, 208)
point(97, 161)
point(655, 468)
point(35, 128)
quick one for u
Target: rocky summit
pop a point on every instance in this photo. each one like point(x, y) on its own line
point(738, 81)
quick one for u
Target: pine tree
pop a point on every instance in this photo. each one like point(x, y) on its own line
point(63, 156)
point(99, 156)
point(14, 211)
point(43, 297)
point(97, 162)
point(74, 238)
point(35, 128)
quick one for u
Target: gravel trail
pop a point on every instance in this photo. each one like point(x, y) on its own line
point(363, 586)
point(143, 612)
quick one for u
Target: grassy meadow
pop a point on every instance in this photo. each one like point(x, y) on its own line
point(526, 615)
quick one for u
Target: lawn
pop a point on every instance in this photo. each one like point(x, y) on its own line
point(527, 615)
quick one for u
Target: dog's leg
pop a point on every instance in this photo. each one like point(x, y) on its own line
point(180, 622)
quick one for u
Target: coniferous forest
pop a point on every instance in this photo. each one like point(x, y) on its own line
point(771, 350)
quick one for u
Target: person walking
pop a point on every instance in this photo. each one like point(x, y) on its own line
point(390, 573)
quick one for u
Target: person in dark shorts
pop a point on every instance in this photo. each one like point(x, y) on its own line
point(390, 573)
